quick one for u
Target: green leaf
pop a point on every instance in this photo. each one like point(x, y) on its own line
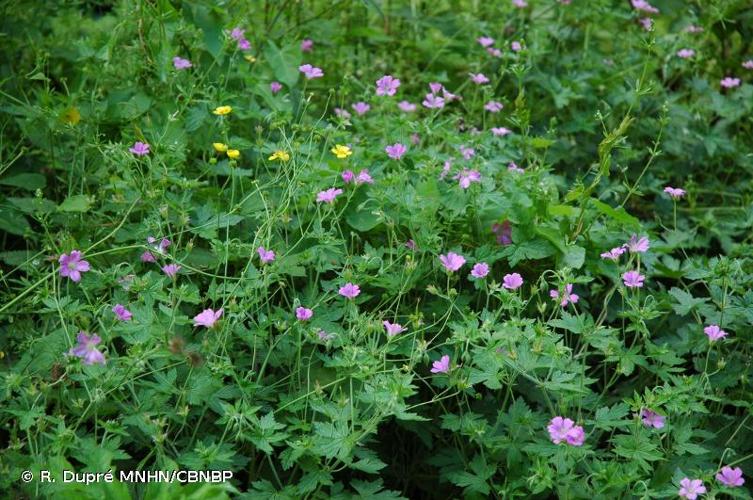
point(363, 220)
point(25, 181)
point(284, 62)
point(13, 222)
point(618, 214)
point(686, 302)
point(76, 203)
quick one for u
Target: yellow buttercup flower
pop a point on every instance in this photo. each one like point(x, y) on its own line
point(71, 116)
point(250, 59)
point(233, 154)
point(341, 151)
point(222, 110)
point(280, 155)
point(219, 147)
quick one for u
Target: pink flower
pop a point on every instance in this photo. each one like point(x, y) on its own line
point(71, 266)
point(567, 298)
point(160, 247)
point(307, 45)
point(237, 33)
point(406, 106)
point(396, 151)
point(342, 113)
point(613, 254)
point(452, 261)
point(311, 72)
point(512, 167)
point(516, 46)
point(694, 29)
point(442, 365)
point(207, 318)
point(361, 108)
point(303, 314)
point(563, 429)
point(521, 4)
point(675, 193)
point(329, 195)
point(685, 53)
point(364, 177)
point(485, 41)
point(467, 152)
point(637, 245)
point(503, 232)
point(501, 131)
point(148, 257)
point(350, 291)
point(171, 270)
point(494, 52)
point(122, 313)
point(644, 6)
point(87, 350)
point(466, 177)
point(633, 279)
point(139, 148)
point(265, 255)
point(244, 44)
point(729, 82)
point(512, 281)
point(493, 106)
point(479, 78)
point(748, 64)
point(647, 23)
point(691, 488)
point(435, 87)
point(387, 85)
point(432, 101)
point(714, 333)
point(480, 270)
point(393, 328)
point(445, 169)
point(324, 336)
point(652, 419)
point(410, 244)
point(275, 87)
point(731, 477)
point(179, 63)
point(348, 176)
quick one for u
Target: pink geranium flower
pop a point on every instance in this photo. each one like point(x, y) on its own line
point(303, 313)
point(310, 72)
point(748, 64)
point(493, 106)
point(652, 419)
point(675, 193)
point(564, 430)
point(350, 291)
point(207, 318)
point(731, 477)
point(466, 177)
point(521, 4)
point(567, 298)
point(480, 270)
point(171, 270)
point(643, 5)
point(364, 177)
point(393, 328)
point(647, 23)
point(139, 148)
point(442, 365)
point(633, 279)
point(237, 33)
point(410, 244)
point(342, 113)
point(637, 245)
point(432, 101)
point(512, 167)
point(266, 256)
point(452, 261)
point(179, 63)
point(396, 151)
point(691, 488)
point(122, 313)
point(685, 53)
point(361, 108)
point(86, 349)
point(494, 52)
point(275, 87)
point(485, 41)
point(479, 78)
point(516, 46)
point(512, 281)
point(71, 266)
point(501, 131)
point(406, 106)
point(307, 45)
point(714, 333)
point(730, 82)
point(387, 85)
point(613, 254)
point(329, 195)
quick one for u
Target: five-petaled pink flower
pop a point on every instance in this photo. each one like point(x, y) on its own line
point(731, 477)
point(675, 193)
point(485, 41)
point(122, 313)
point(691, 488)
point(71, 266)
point(516, 46)
point(748, 64)
point(493, 106)
point(494, 52)
point(207, 318)
point(387, 85)
point(567, 298)
point(307, 45)
point(644, 6)
point(521, 4)
point(87, 349)
point(171, 269)
point(341, 113)
point(275, 87)
point(361, 108)
point(512, 281)
point(613, 254)
point(139, 148)
point(407, 107)
point(637, 245)
point(479, 78)
point(452, 261)
point(179, 63)
point(442, 365)
point(652, 419)
point(393, 328)
point(310, 71)
point(265, 255)
point(513, 167)
point(714, 333)
point(467, 152)
point(237, 33)
point(396, 151)
point(349, 291)
point(633, 279)
point(432, 101)
point(329, 195)
point(500, 131)
point(729, 82)
point(466, 177)
point(564, 430)
point(685, 53)
point(410, 245)
point(303, 313)
point(480, 270)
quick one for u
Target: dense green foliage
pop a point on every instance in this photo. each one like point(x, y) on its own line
point(600, 114)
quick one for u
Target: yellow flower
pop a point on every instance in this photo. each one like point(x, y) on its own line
point(341, 151)
point(233, 154)
point(280, 155)
point(250, 59)
point(219, 147)
point(222, 110)
point(71, 116)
